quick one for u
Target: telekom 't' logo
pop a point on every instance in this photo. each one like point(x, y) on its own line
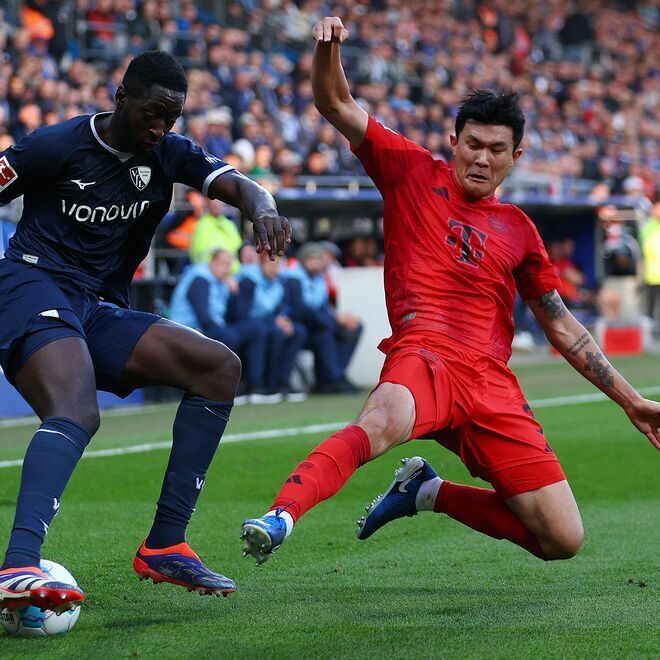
point(468, 241)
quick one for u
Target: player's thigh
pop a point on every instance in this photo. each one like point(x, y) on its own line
point(413, 398)
point(58, 380)
point(172, 354)
point(388, 417)
point(112, 334)
point(42, 344)
point(552, 515)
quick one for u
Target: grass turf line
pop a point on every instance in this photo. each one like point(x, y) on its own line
point(422, 587)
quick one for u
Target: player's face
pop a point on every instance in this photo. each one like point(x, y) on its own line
point(314, 264)
point(484, 155)
point(146, 121)
point(221, 265)
point(271, 269)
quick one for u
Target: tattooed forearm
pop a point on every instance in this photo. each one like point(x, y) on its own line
point(578, 344)
point(596, 362)
point(553, 305)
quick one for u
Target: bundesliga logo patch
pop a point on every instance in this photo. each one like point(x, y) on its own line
point(7, 173)
point(140, 176)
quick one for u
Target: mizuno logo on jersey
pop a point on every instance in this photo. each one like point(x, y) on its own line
point(140, 176)
point(7, 173)
point(212, 159)
point(84, 213)
point(81, 184)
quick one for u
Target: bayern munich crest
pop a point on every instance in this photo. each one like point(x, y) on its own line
point(140, 176)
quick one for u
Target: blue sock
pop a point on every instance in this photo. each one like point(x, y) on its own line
point(49, 462)
point(198, 427)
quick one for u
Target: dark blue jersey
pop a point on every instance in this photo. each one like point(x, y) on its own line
point(90, 211)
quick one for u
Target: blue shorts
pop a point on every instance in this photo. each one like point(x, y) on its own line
point(38, 307)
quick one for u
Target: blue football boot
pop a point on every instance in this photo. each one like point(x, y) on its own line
point(399, 499)
point(179, 564)
point(263, 536)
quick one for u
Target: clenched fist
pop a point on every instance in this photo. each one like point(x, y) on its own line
point(330, 29)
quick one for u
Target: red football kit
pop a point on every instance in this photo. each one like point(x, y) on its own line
point(452, 268)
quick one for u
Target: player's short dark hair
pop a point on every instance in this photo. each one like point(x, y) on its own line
point(493, 107)
point(154, 67)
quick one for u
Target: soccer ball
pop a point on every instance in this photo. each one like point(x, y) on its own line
point(30, 621)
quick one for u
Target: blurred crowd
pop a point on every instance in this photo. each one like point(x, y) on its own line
point(587, 71)
point(626, 289)
point(268, 311)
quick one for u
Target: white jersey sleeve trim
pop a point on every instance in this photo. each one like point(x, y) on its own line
point(213, 176)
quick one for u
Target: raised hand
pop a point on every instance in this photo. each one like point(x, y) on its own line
point(330, 29)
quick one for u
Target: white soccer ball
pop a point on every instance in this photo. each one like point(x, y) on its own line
point(30, 621)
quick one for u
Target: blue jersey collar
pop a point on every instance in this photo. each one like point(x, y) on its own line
point(122, 155)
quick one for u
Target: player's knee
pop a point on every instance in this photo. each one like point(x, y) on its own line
point(230, 367)
point(221, 375)
point(87, 416)
point(375, 424)
point(81, 408)
point(565, 545)
point(388, 417)
point(91, 420)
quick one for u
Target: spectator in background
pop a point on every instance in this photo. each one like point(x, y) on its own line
point(103, 22)
point(144, 29)
point(218, 139)
point(331, 269)
point(264, 296)
point(206, 299)
point(331, 337)
point(573, 291)
point(650, 239)
point(247, 254)
point(180, 232)
point(362, 251)
point(620, 250)
point(263, 161)
point(29, 119)
point(214, 231)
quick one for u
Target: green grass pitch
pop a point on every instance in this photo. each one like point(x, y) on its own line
point(424, 587)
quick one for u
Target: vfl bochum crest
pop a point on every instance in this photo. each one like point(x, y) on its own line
point(140, 176)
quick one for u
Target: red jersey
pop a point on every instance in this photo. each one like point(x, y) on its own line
point(452, 264)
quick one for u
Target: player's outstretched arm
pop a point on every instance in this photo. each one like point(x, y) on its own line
point(578, 347)
point(332, 96)
point(271, 230)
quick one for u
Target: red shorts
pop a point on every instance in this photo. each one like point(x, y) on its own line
point(473, 405)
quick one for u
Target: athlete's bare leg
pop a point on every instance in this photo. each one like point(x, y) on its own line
point(174, 355)
point(387, 417)
point(545, 522)
point(551, 514)
point(208, 372)
point(58, 381)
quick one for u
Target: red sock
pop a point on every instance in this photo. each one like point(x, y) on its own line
point(324, 471)
point(484, 511)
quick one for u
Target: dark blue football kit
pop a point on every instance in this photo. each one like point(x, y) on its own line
point(89, 216)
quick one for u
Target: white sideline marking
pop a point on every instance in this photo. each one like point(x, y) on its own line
point(235, 437)
point(316, 428)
